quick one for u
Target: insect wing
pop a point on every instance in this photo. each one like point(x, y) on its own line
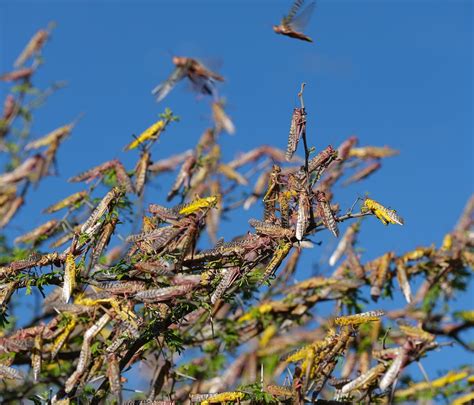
point(163, 89)
point(300, 22)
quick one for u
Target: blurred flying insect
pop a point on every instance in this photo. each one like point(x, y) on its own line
point(201, 77)
point(292, 25)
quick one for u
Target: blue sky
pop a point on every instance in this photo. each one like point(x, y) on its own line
point(395, 73)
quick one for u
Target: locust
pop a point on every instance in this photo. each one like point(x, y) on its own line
point(152, 133)
point(20, 74)
point(197, 204)
point(322, 160)
point(395, 368)
point(85, 355)
point(218, 398)
point(272, 193)
point(141, 172)
point(11, 373)
point(304, 215)
point(11, 210)
point(232, 174)
point(61, 339)
point(358, 319)
point(237, 247)
point(123, 179)
point(403, 281)
point(9, 108)
point(100, 210)
point(266, 228)
point(345, 242)
point(103, 240)
point(38, 233)
point(199, 75)
point(228, 279)
point(93, 173)
point(24, 171)
point(372, 152)
point(165, 214)
point(221, 119)
point(344, 150)
point(278, 256)
point(297, 129)
point(292, 24)
point(325, 213)
point(70, 273)
point(364, 379)
point(162, 294)
point(54, 137)
point(364, 173)
point(71, 201)
point(183, 177)
point(36, 357)
point(380, 270)
point(257, 190)
point(273, 153)
point(34, 46)
point(169, 164)
point(385, 215)
point(278, 391)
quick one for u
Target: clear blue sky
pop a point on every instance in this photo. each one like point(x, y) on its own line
point(395, 73)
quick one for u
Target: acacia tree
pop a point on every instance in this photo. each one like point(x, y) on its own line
point(227, 323)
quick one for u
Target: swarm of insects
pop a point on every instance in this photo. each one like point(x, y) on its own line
point(131, 283)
